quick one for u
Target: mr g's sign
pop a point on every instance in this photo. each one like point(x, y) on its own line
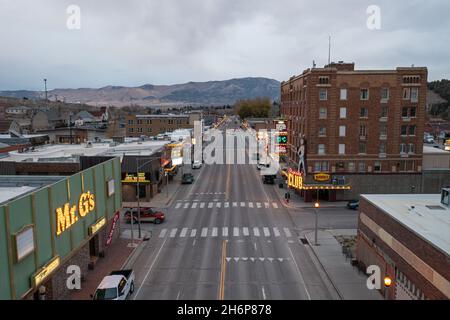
point(67, 215)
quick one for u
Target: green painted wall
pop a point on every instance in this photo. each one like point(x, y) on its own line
point(45, 202)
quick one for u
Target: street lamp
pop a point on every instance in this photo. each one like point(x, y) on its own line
point(316, 208)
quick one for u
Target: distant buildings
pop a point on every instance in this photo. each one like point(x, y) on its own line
point(362, 128)
point(407, 237)
point(154, 124)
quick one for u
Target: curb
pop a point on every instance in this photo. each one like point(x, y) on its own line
point(134, 255)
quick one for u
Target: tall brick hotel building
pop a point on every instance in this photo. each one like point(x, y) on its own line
point(362, 129)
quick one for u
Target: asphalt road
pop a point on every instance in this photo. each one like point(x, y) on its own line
point(228, 236)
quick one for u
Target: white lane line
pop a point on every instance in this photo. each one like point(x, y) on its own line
point(245, 232)
point(250, 204)
point(276, 232)
point(275, 205)
point(266, 204)
point(177, 206)
point(210, 204)
point(263, 293)
point(227, 205)
point(236, 232)
point(194, 205)
point(225, 232)
point(186, 205)
point(234, 204)
point(299, 273)
point(202, 205)
point(204, 232)
point(266, 232)
point(242, 204)
point(256, 232)
point(163, 232)
point(149, 269)
point(287, 232)
point(183, 232)
point(193, 232)
point(173, 232)
point(214, 232)
point(219, 204)
point(258, 204)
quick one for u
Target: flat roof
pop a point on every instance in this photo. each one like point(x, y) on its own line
point(162, 116)
point(67, 152)
point(427, 220)
point(433, 150)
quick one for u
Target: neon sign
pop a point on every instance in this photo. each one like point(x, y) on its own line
point(67, 215)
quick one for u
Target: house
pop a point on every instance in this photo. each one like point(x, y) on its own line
point(18, 111)
point(46, 120)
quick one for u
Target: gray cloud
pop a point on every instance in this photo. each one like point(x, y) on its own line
point(173, 41)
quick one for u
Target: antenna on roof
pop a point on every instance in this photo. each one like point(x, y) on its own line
point(329, 50)
point(314, 64)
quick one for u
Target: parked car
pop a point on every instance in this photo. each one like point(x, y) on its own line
point(428, 139)
point(187, 178)
point(147, 215)
point(117, 286)
point(197, 164)
point(353, 204)
point(269, 179)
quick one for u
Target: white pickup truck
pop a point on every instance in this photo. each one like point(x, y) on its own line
point(117, 286)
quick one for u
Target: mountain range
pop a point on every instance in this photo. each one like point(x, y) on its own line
point(225, 92)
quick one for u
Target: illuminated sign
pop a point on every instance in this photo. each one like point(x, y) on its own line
point(67, 215)
point(282, 139)
point(97, 226)
point(131, 178)
point(295, 179)
point(45, 271)
point(321, 177)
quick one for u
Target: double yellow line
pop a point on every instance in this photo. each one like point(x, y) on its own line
point(223, 271)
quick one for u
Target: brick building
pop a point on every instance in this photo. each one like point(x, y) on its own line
point(356, 123)
point(154, 124)
point(407, 236)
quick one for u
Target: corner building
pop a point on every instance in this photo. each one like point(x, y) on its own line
point(362, 128)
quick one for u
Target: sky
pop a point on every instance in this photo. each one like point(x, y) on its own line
point(136, 42)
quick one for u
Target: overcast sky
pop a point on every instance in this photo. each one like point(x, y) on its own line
point(135, 42)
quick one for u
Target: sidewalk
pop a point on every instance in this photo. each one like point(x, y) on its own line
point(350, 284)
point(117, 254)
point(296, 202)
point(160, 200)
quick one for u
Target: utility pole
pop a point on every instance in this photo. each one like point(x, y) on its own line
point(316, 213)
point(138, 196)
point(45, 85)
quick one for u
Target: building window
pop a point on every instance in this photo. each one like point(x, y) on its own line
point(404, 112)
point(383, 130)
point(364, 94)
point(412, 130)
point(343, 94)
point(342, 131)
point(362, 130)
point(362, 147)
point(321, 149)
point(149, 121)
point(411, 148)
point(317, 167)
point(321, 166)
point(364, 112)
point(412, 112)
point(325, 166)
point(342, 149)
point(322, 113)
point(362, 167)
point(406, 93)
point(351, 167)
point(323, 94)
point(324, 80)
point(404, 130)
point(131, 130)
point(139, 121)
point(322, 132)
point(403, 148)
point(382, 148)
point(384, 112)
point(139, 130)
point(149, 130)
point(170, 121)
point(343, 113)
point(414, 94)
point(130, 122)
point(377, 166)
point(384, 94)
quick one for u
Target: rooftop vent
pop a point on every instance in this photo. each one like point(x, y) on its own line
point(445, 194)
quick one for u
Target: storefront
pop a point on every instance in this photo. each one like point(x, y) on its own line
point(67, 223)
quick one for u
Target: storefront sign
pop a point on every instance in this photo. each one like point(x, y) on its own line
point(67, 215)
point(97, 226)
point(295, 179)
point(24, 242)
point(113, 227)
point(131, 178)
point(321, 177)
point(45, 271)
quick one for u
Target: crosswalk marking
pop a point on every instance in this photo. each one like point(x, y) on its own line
point(227, 205)
point(287, 232)
point(178, 205)
point(219, 204)
point(234, 204)
point(266, 204)
point(193, 232)
point(245, 232)
point(236, 232)
point(250, 204)
point(256, 232)
point(276, 232)
point(266, 232)
point(202, 205)
point(258, 204)
point(163, 232)
point(194, 205)
point(173, 232)
point(275, 205)
point(210, 205)
point(186, 205)
point(204, 232)
point(242, 204)
point(183, 232)
point(225, 232)
point(214, 232)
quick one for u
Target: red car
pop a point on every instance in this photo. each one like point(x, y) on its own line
point(147, 215)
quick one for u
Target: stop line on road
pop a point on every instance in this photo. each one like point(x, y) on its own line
point(227, 232)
